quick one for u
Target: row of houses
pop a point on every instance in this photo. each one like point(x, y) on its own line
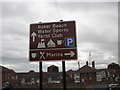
point(84, 75)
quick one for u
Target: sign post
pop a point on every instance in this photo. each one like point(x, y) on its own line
point(40, 75)
point(64, 75)
point(53, 41)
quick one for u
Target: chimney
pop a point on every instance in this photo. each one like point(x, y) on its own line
point(89, 59)
point(87, 63)
point(78, 64)
point(93, 64)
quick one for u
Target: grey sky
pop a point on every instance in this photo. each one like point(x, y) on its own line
point(96, 25)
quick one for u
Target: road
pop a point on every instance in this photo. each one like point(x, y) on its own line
point(97, 87)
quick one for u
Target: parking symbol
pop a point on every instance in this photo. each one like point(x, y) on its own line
point(69, 42)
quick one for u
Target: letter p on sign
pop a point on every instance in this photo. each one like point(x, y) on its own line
point(69, 42)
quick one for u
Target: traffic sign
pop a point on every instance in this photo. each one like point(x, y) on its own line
point(53, 41)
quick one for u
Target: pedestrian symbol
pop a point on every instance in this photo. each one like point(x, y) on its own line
point(69, 41)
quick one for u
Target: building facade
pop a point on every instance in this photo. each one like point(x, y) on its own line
point(53, 69)
point(84, 75)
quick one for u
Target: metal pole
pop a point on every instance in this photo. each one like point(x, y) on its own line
point(64, 75)
point(40, 75)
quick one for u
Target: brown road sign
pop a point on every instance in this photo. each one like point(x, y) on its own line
point(53, 41)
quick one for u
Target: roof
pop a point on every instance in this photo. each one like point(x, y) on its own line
point(71, 71)
point(86, 69)
point(104, 69)
point(113, 63)
point(4, 69)
point(52, 66)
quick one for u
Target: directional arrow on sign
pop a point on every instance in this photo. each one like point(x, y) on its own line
point(33, 35)
point(71, 54)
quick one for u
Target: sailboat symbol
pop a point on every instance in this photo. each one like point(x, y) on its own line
point(51, 43)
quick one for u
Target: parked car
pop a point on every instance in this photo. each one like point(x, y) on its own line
point(114, 86)
point(7, 86)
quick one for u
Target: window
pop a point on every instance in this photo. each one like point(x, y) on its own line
point(90, 78)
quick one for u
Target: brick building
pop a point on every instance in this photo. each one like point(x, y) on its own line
point(87, 74)
point(111, 74)
point(84, 75)
point(31, 77)
point(28, 78)
point(53, 69)
point(8, 75)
